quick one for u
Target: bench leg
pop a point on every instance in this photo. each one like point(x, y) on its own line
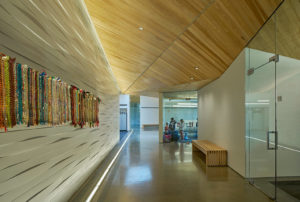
point(209, 158)
point(194, 149)
point(216, 158)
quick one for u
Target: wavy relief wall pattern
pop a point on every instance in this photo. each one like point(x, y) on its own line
point(50, 163)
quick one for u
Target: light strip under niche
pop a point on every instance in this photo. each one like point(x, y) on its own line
point(92, 194)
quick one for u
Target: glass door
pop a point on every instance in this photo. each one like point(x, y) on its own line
point(288, 101)
point(261, 127)
point(261, 138)
point(273, 105)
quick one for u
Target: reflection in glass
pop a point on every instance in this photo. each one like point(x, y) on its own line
point(180, 116)
point(134, 111)
point(273, 105)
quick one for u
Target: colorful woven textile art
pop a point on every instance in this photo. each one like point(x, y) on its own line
point(30, 98)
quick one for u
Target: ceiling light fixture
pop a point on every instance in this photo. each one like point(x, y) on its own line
point(196, 68)
point(192, 78)
point(141, 28)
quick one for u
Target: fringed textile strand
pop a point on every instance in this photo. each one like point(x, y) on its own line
point(19, 91)
point(30, 98)
point(12, 92)
point(2, 93)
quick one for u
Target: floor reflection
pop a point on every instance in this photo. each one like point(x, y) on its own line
point(177, 152)
point(136, 175)
point(147, 171)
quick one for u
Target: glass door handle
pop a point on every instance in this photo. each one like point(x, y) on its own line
point(275, 140)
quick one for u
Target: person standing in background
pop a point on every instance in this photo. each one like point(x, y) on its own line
point(167, 133)
point(172, 128)
point(181, 125)
point(167, 128)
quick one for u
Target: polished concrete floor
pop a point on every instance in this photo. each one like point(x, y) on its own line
point(147, 171)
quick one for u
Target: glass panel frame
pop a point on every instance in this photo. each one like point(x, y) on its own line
point(279, 37)
point(288, 98)
point(261, 135)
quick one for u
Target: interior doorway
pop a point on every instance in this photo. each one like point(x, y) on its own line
point(180, 116)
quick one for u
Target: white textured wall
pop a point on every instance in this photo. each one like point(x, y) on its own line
point(49, 164)
point(222, 113)
point(149, 110)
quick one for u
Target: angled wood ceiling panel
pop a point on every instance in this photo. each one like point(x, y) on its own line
point(211, 43)
point(177, 36)
point(287, 32)
point(129, 50)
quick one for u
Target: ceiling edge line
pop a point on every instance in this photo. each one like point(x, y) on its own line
point(271, 15)
point(177, 37)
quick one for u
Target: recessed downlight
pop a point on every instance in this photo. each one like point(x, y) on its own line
point(196, 67)
point(141, 28)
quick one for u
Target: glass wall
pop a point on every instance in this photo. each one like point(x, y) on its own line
point(180, 116)
point(273, 105)
point(134, 111)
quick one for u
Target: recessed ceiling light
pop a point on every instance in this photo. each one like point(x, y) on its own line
point(192, 78)
point(141, 28)
point(196, 68)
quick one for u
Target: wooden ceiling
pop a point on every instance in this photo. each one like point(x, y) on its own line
point(176, 37)
point(59, 37)
point(282, 29)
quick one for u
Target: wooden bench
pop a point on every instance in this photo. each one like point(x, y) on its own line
point(215, 155)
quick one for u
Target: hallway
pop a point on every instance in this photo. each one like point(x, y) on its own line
point(77, 76)
point(149, 171)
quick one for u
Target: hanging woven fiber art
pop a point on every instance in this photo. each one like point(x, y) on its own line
point(30, 98)
point(2, 94)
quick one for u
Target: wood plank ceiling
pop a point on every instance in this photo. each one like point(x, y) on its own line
point(155, 45)
point(58, 37)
